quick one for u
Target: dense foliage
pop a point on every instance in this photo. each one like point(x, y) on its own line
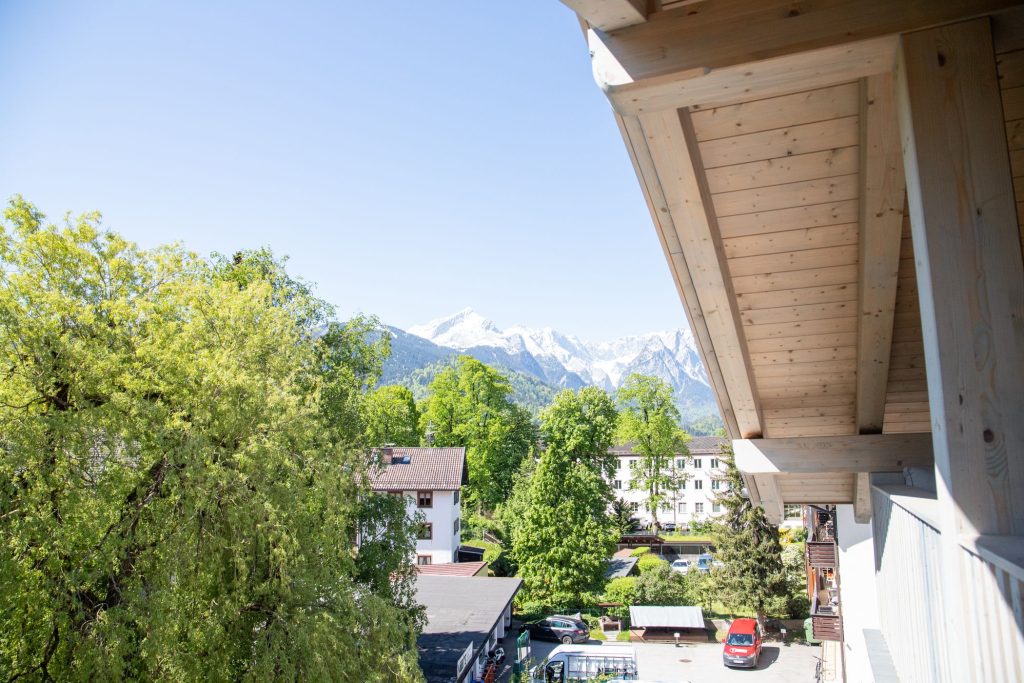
point(469, 406)
point(649, 420)
point(565, 536)
point(753, 574)
point(182, 472)
point(391, 417)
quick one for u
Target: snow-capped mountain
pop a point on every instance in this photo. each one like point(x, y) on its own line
point(565, 361)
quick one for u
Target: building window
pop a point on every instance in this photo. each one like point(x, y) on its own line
point(680, 463)
point(698, 507)
point(682, 507)
point(617, 484)
point(698, 485)
point(696, 463)
point(715, 484)
point(682, 485)
point(792, 511)
point(423, 559)
point(425, 499)
point(714, 463)
point(425, 532)
point(397, 494)
point(456, 496)
point(716, 507)
point(634, 507)
point(457, 527)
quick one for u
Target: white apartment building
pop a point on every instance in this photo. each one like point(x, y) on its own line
point(695, 499)
point(430, 480)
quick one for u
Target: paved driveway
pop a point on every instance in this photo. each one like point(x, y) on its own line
point(702, 663)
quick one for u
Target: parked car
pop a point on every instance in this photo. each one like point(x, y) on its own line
point(668, 526)
point(705, 563)
point(742, 644)
point(559, 628)
point(681, 566)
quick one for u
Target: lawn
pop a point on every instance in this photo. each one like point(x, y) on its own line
point(685, 538)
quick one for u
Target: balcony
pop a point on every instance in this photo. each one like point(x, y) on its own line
point(821, 554)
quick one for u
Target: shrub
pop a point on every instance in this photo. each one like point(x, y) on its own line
point(639, 552)
point(649, 562)
point(622, 590)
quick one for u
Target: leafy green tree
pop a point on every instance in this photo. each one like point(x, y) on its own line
point(748, 545)
point(391, 417)
point(469, 405)
point(581, 424)
point(564, 540)
point(662, 586)
point(182, 476)
point(649, 420)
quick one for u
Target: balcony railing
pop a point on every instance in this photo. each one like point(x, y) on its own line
point(821, 554)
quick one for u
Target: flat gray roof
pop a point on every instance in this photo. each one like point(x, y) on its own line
point(460, 610)
point(620, 566)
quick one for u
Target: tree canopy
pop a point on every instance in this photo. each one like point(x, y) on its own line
point(469, 405)
point(649, 421)
point(182, 475)
point(391, 417)
point(581, 425)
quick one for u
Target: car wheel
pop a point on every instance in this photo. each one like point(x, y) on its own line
point(567, 640)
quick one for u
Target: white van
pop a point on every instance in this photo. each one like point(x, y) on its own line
point(580, 663)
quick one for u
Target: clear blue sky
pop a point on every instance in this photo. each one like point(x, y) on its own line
point(411, 158)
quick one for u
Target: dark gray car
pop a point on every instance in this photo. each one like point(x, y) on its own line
point(559, 628)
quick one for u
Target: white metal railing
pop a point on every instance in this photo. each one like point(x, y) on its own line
point(464, 661)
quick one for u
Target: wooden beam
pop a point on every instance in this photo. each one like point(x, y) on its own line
point(882, 192)
point(771, 500)
point(752, 492)
point(729, 85)
point(673, 148)
point(833, 454)
point(610, 15)
point(970, 274)
point(643, 165)
point(970, 278)
point(715, 35)
point(862, 498)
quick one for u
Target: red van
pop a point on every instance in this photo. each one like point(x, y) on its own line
point(743, 644)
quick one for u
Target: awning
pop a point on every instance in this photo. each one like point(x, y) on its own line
point(666, 617)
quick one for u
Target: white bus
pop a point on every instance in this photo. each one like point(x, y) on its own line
point(581, 663)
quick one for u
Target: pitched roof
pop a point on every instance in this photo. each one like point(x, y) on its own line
point(452, 568)
point(697, 445)
point(406, 469)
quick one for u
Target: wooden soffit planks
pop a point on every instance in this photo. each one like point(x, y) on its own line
point(609, 15)
point(696, 253)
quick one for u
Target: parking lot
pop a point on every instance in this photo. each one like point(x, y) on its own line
point(702, 663)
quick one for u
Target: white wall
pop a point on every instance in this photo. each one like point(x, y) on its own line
point(689, 496)
point(442, 515)
point(857, 597)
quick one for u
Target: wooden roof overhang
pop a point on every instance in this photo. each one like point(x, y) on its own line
point(765, 137)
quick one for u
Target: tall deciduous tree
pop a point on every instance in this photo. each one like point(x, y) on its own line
point(748, 544)
point(649, 420)
point(581, 425)
point(562, 544)
point(391, 417)
point(563, 541)
point(181, 471)
point(468, 405)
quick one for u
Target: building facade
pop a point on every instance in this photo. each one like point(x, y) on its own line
point(702, 478)
point(430, 480)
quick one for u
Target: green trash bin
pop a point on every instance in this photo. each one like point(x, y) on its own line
point(809, 632)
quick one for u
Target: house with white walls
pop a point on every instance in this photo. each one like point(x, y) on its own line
point(430, 480)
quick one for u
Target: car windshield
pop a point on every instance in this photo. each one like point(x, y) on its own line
point(740, 639)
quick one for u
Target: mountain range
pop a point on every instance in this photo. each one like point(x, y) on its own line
point(542, 361)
